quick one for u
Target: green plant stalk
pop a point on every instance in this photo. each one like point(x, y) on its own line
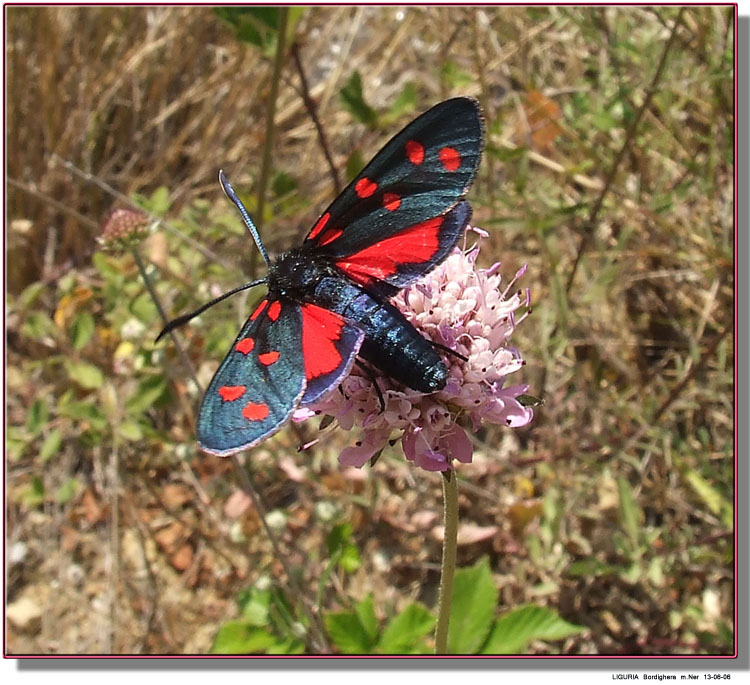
point(265, 167)
point(448, 567)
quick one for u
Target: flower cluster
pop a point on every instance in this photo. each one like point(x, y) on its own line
point(122, 228)
point(463, 308)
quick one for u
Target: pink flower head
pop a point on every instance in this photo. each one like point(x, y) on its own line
point(123, 228)
point(464, 308)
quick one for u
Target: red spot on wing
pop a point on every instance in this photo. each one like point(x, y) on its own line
point(245, 345)
point(274, 310)
point(415, 151)
point(319, 226)
point(329, 236)
point(258, 310)
point(321, 329)
point(255, 412)
point(268, 358)
point(450, 159)
point(391, 201)
point(414, 245)
point(365, 187)
point(230, 393)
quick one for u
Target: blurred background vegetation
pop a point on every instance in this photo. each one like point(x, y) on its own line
point(608, 170)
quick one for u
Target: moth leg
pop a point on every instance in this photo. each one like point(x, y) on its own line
point(449, 350)
point(371, 376)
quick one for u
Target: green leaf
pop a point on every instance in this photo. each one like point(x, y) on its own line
point(257, 26)
point(37, 417)
point(347, 633)
point(605, 121)
point(455, 77)
point(630, 513)
point(30, 294)
point(350, 560)
point(404, 104)
point(67, 491)
point(365, 611)
point(514, 630)
point(354, 101)
point(81, 330)
point(287, 646)
point(38, 326)
point(283, 184)
point(33, 494)
point(712, 498)
point(148, 392)
point(82, 411)
point(16, 441)
point(591, 567)
point(342, 549)
point(239, 637)
point(51, 445)
point(159, 201)
point(405, 633)
point(338, 537)
point(86, 375)
point(474, 600)
point(130, 431)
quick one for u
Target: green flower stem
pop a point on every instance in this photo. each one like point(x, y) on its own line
point(165, 319)
point(448, 567)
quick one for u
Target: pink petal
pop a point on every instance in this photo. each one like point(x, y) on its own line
point(458, 444)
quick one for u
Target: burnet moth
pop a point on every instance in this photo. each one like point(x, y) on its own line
point(328, 299)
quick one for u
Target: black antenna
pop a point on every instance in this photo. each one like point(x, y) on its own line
point(245, 216)
point(181, 320)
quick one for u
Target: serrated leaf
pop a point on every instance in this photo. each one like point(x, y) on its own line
point(51, 445)
point(353, 101)
point(404, 634)
point(81, 330)
point(239, 637)
point(347, 633)
point(513, 631)
point(84, 374)
point(473, 607)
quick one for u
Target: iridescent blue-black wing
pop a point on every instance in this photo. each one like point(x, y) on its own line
point(285, 354)
point(404, 212)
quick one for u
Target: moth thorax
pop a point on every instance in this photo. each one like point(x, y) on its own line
point(294, 273)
